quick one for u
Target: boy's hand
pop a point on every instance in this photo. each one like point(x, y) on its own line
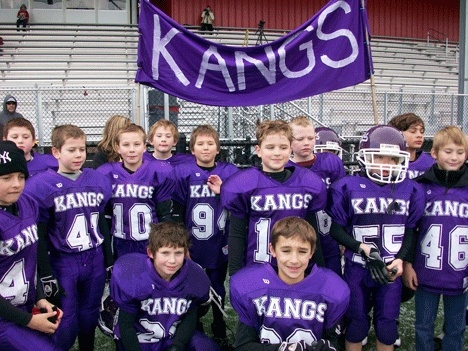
point(409, 276)
point(395, 269)
point(46, 317)
point(377, 266)
point(214, 183)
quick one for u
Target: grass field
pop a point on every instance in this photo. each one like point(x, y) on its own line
point(406, 329)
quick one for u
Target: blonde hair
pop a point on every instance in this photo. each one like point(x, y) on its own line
point(109, 136)
point(273, 127)
point(449, 134)
point(302, 121)
point(164, 123)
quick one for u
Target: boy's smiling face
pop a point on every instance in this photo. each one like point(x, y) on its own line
point(292, 255)
point(274, 152)
point(167, 260)
point(450, 157)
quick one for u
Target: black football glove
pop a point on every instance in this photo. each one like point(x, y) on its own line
point(53, 291)
point(321, 345)
point(376, 266)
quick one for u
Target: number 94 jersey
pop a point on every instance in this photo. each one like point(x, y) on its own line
point(204, 217)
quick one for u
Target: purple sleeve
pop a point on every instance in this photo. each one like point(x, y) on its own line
point(336, 208)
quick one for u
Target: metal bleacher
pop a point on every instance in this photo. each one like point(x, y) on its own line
point(69, 55)
point(83, 55)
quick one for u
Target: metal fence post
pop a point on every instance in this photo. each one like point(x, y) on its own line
point(39, 119)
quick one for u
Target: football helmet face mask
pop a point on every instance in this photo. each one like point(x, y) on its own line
point(384, 141)
point(327, 141)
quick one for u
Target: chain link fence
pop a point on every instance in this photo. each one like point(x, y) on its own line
point(349, 112)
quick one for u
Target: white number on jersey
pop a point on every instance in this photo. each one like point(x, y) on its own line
point(155, 332)
point(203, 220)
point(79, 237)
point(262, 228)
point(13, 284)
point(270, 336)
point(390, 236)
point(432, 248)
point(139, 218)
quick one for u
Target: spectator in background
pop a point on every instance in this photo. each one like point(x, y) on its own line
point(23, 17)
point(207, 19)
point(106, 149)
point(9, 111)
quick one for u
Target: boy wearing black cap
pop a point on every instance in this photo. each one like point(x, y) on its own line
point(20, 328)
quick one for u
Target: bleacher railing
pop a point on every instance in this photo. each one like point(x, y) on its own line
point(349, 112)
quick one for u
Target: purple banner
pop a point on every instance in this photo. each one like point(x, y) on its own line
point(326, 53)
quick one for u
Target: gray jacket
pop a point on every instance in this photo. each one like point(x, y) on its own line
point(5, 115)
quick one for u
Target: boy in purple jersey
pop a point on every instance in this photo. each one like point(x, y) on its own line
point(159, 294)
point(198, 205)
point(163, 136)
point(440, 264)
point(291, 306)
point(22, 133)
point(20, 329)
point(141, 192)
point(412, 127)
point(373, 216)
point(257, 198)
point(330, 168)
point(73, 230)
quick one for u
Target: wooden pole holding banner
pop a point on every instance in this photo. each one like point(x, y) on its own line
point(374, 99)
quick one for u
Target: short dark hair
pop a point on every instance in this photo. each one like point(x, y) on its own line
point(289, 227)
point(405, 121)
point(168, 234)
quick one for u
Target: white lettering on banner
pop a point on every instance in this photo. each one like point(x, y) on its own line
point(342, 32)
point(212, 60)
point(159, 47)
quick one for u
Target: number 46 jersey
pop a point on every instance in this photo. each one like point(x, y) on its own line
point(441, 259)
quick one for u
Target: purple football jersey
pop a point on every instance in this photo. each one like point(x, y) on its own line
point(18, 254)
point(441, 259)
point(375, 215)
point(174, 160)
point(420, 165)
point(330, 168)
point(159, 305)
point(283, 312)
point(136, 196)
point(252, 194)
point(71, 208)
point(41, 162)
point(205, 218)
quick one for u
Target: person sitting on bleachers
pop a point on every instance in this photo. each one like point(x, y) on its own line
point(23, 17)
